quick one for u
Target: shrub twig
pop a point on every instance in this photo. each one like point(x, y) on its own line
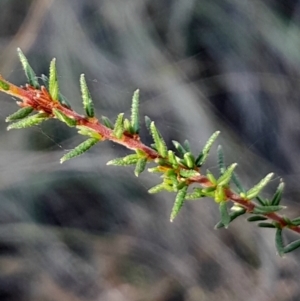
point(42, 100)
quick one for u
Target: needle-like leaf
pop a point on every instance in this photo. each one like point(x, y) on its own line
point(30, 74)
point(88, 104)
point(135, 124)
point(53, 83)
point(80, 149)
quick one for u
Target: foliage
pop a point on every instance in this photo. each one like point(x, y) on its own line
point(42, 100)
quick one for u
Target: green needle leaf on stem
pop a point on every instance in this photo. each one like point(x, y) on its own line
point(205, 152)
point(181, 150)
point(253, 192)
point(28, 121)
point(256, 218)
point(189, 160)
point(135, 124)
point(179, 200)
point(30, 74)
point(266, 225)
point(107, 122)
point(261, 201)
point(157, 188)
point(71, 122)
point(80, 149)
point(86, 131)
point(227, 175)
point(296, 221)
point(225, 217)
point(187, 146)
point(267, 209)
point(292, 246)
point(221, 161)
point(53, 83)
point(278, 194)
point(88, 104)
point(279, 242)
point(158, 140)
point(186, 173)
point(61, 98)
point(128, 160)
point(148, 122)
point(20, 114)
point(233, 216)
point(172, 159)
point(119, 126)
point(140, 166)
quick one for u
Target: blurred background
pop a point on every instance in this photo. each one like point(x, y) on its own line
point(87, 231)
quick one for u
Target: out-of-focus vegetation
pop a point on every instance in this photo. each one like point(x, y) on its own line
point(66, 233)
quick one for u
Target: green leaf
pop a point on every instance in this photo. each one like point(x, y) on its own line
point(209, 191)
point(211, 177)
point(170, 173)
point(205, 152)
point(140, 166)
point(267, 209)
point(61, 98)
point(128, 160)
point(148, 122)
point(141, 153)
point(172, 159)
point(80, 149)
point(63, 101)
point(188, 173)
point(225, 217)
point(135, 124)
point(189, 160)
point(30, 74)
point(296, 221)
point(233, 216)
point(45, 80)
point(235, 179)
point(107, 122)
point(226, 177)
point(28, 121)
point(20, 114)
point(156, 170)
point(278, 194)
point(187, 146)
point(237, 213)
point(221, 161)
point(266, 225)
point(196, 194)
point(179, 201)
point(253, 192)
point(256, 218)
point(219, 194)
point(157, 188)
point(127, 126)
point(292, 246)
point(71, 122)
point(279, 242)
point(86, 131)
point(53, 83)
point(158, 140)
point(262, 201)
point(88, 104)
point(181, 150)
point(119, 127)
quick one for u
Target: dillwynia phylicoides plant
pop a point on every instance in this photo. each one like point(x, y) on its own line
point(42, 100)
